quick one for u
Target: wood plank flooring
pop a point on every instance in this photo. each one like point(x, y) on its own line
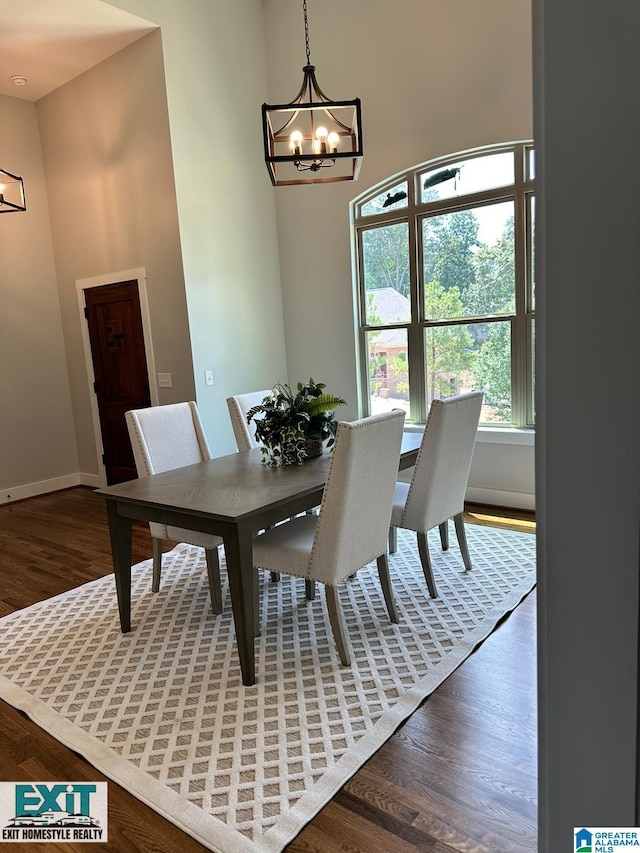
point(459, 776)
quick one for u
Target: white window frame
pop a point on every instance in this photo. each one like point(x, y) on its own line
point(521, 193)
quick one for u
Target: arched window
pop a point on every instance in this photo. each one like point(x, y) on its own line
point(445, 288)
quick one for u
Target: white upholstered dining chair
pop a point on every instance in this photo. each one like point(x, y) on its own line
point(164, 438)
point(351, 528)
point(439, 481)
point(239, 405)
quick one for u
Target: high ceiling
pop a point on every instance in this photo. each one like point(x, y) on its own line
point(49, 42)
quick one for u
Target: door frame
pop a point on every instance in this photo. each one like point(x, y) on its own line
point(140, 275)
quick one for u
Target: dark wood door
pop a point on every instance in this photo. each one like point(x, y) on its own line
point(120, 369)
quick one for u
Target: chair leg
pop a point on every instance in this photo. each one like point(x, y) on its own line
point(256, 603)
point(157, 564)
point(385, 583)
point(458, 520)
point(275, 576)
point(444, 535)
point(423, 550)
point(337, 625)
point(310, 589)
point(213, 570)
point(393, 540)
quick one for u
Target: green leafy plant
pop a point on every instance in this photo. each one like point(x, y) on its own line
point(288, 418)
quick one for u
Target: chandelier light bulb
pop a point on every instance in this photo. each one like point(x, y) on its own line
point(296, 142)
point(320, 141)
point(332, 140)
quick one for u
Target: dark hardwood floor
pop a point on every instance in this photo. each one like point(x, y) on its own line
point(459, 776)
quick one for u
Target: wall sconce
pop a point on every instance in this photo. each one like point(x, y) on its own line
point(312, 133)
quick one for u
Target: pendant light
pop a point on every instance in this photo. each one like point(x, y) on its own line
point(11, 193)
point(312, 139)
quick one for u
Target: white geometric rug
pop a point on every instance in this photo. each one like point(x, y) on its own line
point(162, 710)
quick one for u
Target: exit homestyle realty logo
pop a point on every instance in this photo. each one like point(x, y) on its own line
point(46, 811)
point(606, 839)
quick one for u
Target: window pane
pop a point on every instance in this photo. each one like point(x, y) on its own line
point(386, 274)
point(532, 243)
point(475, 356)
point(468, 176)
point(469, 262)
point(531, 165)
point(388, 370)
point(533, 369)
point(391, 199)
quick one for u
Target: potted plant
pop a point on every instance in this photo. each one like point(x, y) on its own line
point(293, 425)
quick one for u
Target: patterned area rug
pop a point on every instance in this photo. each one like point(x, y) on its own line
point(163, 711)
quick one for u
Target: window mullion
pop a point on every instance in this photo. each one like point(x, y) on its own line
point(364, 401)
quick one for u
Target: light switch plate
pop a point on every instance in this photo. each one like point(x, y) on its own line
point(208, 377)
point(164, 380)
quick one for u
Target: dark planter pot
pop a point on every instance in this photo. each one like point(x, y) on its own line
point(314, 447)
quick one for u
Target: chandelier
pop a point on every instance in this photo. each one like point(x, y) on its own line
point(11, 193)
point(312, 134)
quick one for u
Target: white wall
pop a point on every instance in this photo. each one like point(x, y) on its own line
point(434, 78)
point(105, 140)
point(136, 183)
point(37, 437)
point(215, 76)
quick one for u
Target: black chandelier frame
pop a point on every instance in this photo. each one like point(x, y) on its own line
point(16, 202)
point(289, 163)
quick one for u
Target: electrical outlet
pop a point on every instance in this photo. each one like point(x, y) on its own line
point(164, 380)
point(208, 377)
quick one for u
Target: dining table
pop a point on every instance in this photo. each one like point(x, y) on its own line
point(233, 496)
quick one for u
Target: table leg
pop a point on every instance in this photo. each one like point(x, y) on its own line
point(239, 556)
point(120, 533)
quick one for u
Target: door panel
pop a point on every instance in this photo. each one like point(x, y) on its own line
point(120, 369)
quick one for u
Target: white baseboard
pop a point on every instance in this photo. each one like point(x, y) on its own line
point(93, 480)
point(496, 497)
point(491, 497)
point(43, 487)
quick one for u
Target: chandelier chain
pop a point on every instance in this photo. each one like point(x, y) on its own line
point(306, 32)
